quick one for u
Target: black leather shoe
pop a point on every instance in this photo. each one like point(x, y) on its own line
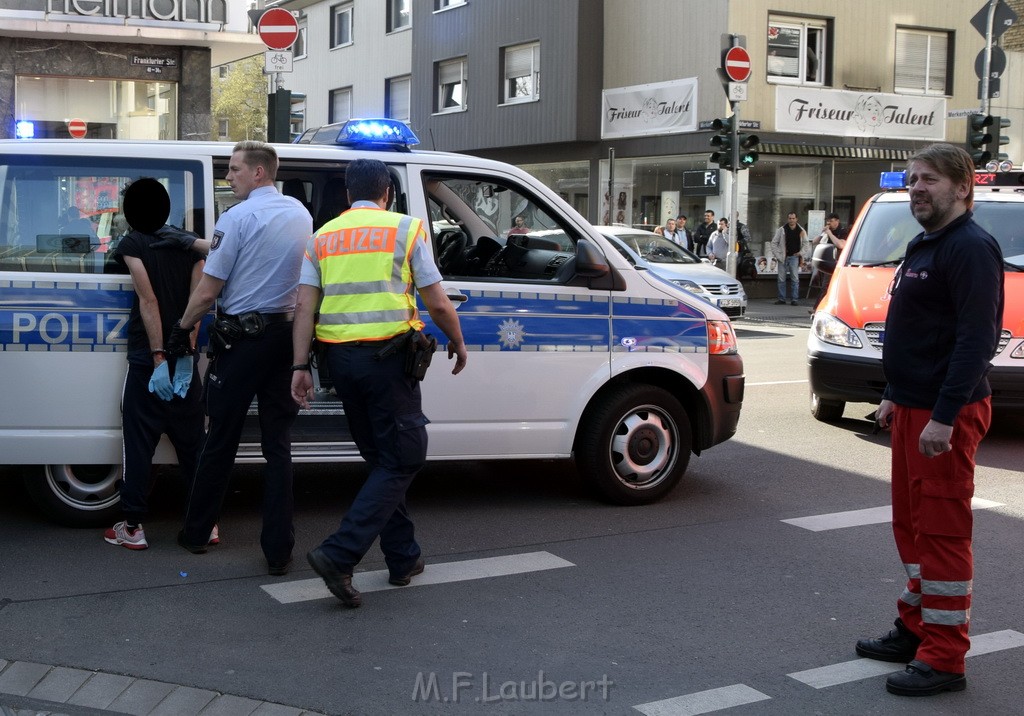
point(403, 580)
point(780, 303)
point(899, 645)
point(919, 679)
point(793, 303)
point(339, 583)
point(278, 569)
point(193, 548)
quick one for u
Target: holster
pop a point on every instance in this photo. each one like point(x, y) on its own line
point(224, 333)
point(419, 351)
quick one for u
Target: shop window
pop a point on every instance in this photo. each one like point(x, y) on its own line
point(341, 25)
point(299, 48)
point(222, 129)
point(397, 97)
point(341, 105)
point(797, 51)
point(64, 214)
point(399, 14)
point(922, 59)
point(521, 69)
point(451, 86)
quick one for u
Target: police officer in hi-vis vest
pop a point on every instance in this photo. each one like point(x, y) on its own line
point(364, 264)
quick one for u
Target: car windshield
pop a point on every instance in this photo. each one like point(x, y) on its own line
point(888, 228)
point(657, 249)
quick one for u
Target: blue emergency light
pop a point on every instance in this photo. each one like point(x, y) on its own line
point(25, 129)
point(893, 180)
point(365, 133)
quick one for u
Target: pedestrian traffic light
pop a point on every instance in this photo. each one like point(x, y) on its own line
point(748, 144)
point(979, 138)
point(721, 143)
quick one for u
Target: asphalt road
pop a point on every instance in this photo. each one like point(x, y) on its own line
point(543, 595)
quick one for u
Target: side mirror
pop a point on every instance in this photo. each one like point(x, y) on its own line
point(589, 261)
point(825, 257)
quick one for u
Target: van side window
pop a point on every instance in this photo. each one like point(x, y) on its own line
point(63, 214)
point(491, 229)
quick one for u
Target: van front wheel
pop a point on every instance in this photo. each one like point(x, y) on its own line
point(76, 495)
point(827, 411)
point(634, 444)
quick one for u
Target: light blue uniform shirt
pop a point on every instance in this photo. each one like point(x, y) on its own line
point(257, 250)
point(424, 269)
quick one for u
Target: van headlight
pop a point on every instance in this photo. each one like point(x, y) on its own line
point(1018, 352)
point(688, 286)
point(829, 329)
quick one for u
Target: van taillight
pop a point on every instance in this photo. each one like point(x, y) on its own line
point(721, 338)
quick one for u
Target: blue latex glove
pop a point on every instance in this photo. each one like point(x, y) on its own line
point(182, 376)
point(160, 383)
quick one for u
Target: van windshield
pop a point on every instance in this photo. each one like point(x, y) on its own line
point(887, 228)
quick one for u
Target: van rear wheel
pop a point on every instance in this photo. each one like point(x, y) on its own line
point(76, 495)
point(827, 411)
point(633, 444)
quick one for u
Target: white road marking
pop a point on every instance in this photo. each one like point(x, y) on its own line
point(703, 702)
point(858, 669)
point(306, 589)
point(857, 518)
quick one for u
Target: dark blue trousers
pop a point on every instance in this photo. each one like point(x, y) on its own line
point(144, 418)
point(385, 415)
point(252, 368)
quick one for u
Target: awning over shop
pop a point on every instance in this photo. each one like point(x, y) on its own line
point(842, 152)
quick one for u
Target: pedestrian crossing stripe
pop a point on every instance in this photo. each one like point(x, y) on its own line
point(859, 518)
point(308, 589)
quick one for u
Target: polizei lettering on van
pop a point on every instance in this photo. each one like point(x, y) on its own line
point(41, 316)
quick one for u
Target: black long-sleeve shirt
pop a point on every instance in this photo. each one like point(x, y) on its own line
point(944, 320)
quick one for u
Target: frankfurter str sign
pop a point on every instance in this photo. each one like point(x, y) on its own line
point(859, 114)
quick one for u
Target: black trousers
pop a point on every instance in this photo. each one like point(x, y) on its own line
point(385, 414)
point(144, 418)
point(257, 368)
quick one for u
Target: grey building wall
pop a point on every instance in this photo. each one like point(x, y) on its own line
point(27, 56)
point(569, 33)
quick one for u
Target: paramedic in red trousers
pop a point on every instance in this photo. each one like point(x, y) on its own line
point(942, 329)
point(365, 264)
point(253, 266)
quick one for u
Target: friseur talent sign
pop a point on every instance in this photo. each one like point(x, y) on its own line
point(643, 110)
point(859, 114)
point(202, 11)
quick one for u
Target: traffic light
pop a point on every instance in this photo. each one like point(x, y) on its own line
point(721, 143)
point(748, 144)
point(997, 139)
point(979, 139)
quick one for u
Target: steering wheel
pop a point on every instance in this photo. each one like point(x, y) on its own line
point(451, 256)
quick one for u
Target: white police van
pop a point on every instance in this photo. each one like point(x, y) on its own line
point(574, 353)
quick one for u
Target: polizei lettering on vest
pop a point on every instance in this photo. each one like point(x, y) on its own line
point(361, 239)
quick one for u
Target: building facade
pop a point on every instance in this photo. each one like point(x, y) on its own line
point(115, 69)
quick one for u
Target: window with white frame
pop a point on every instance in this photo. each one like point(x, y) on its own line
point(341, 25)
point(299, 48)
point(399, 14)
point(397, 97)
point(341, 105)
point(521, 69)
point(451, 85)
point(445, 4)
point(797, 51)
point(922, 59)
point(222, 129)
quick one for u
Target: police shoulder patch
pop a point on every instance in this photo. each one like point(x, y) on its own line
point(217, 236)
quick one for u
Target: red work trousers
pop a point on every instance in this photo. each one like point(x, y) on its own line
point(932, 523)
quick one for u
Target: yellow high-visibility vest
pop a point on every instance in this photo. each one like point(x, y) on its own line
point(365, 275)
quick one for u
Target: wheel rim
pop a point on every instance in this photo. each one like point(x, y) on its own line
point(85, 487)
point(644, 447)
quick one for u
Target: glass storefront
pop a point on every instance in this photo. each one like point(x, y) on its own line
point(571, 180)
point(110, 109)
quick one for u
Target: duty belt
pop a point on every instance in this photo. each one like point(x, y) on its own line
point(268, 318)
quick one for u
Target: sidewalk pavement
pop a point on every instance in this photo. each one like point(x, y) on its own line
point(30, 689)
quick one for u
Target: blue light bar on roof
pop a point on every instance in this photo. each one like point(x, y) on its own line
point(893, 180)
point(391, 132)
point(24, 129)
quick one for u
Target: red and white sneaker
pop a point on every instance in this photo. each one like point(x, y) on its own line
point(119, 534)
point(214, 536)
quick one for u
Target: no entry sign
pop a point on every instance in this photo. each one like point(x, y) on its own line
point(737, 64)
point(278, 29)
point(77, 128)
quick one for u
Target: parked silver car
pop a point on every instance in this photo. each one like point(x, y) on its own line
point(665, 258)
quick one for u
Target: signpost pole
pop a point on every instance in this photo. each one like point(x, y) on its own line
point(611, 185)
point(734, 194)
point(985, 99)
